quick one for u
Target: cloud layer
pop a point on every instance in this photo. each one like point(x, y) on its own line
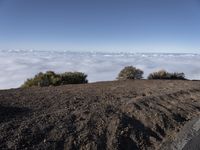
point(17, 66)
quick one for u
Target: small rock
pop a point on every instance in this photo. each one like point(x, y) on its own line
point(10, 144)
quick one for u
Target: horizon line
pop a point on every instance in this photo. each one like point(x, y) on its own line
point(93, 51)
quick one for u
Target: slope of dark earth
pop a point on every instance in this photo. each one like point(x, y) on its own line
point(121, 115)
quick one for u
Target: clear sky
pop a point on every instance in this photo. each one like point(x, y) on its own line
point(101, 25)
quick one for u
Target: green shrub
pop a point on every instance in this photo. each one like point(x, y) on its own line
point(73, 78)
point(162, 74)
point(130, 72)
point(178, 76)
point(52, 79)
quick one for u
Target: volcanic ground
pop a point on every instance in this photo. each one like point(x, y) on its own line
point(115, 115)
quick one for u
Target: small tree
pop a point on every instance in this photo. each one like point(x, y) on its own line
point(130, 72)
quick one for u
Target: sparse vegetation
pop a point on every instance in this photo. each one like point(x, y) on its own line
point(130, 72)
point(162, 74)
point(50, 78)
point(73, 78)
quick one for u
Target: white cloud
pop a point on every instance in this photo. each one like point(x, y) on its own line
point(17, 66)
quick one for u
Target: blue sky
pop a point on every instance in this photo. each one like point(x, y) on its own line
point(101, 25)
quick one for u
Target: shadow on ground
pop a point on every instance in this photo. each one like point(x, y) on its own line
point(9, 112)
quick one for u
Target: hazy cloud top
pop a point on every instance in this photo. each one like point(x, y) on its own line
point(17, 66)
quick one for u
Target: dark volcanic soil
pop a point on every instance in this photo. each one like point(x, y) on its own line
point(108, 115)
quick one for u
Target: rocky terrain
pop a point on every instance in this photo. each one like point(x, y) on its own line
point(124, 115)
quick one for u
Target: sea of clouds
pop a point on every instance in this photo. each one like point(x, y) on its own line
point(17, 65)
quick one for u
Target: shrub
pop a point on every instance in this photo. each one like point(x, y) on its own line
point(178, 76)
point(130, 72)
point(52, 79)
point(73, 78)
point(162, 74)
